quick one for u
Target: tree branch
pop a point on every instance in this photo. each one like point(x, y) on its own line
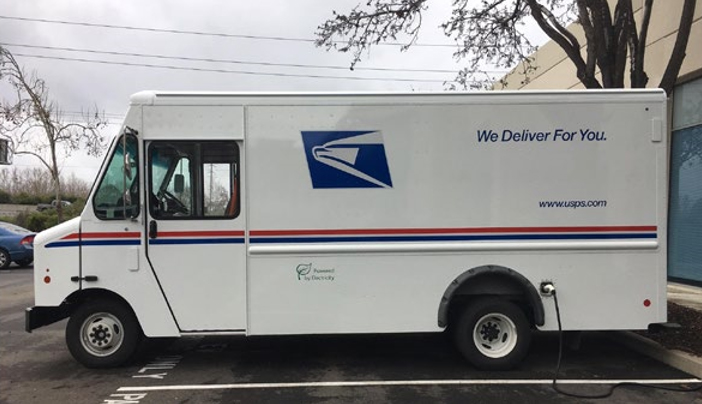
point(365, 28)
point(585, 21)
point(487, 32)
point(623, 39)
point(572, 49)
point(37, 155)
point(639, 78)
point(604, 32)
point(678, 55)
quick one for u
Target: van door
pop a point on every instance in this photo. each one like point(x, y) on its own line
point(110, 232)
point(195, 241)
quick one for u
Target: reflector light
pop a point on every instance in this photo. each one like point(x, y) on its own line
point(647, 303)
point(47, 279)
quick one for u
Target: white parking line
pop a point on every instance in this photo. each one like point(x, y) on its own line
point(372, 383)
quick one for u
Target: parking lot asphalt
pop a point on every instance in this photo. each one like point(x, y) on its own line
point(417, 368)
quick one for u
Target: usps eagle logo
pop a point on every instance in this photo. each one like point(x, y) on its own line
point(346, 159)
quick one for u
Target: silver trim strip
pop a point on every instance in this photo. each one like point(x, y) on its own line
point(310, 249)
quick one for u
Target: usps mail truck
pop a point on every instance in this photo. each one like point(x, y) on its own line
point(280, 214)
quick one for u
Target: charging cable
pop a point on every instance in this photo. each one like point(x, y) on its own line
point(548, 289)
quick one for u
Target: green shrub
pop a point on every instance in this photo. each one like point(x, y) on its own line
point(24, 198)
point(39, 221)
point(21, 218)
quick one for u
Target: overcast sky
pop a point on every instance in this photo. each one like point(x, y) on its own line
point(75, 85)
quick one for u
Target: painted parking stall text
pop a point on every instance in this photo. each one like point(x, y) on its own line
point(157, 369)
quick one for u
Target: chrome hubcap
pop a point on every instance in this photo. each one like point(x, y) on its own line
point(101, 334)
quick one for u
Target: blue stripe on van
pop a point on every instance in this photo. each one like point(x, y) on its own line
point(490, 237)
point(92, 243)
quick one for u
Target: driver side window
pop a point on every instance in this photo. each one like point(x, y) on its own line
point(194, 180)
point(171, 180)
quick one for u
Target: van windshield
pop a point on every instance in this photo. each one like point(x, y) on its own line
point(109, 199)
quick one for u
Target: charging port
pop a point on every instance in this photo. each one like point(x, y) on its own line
point(547, 289)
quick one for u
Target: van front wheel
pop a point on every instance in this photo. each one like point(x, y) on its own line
point(493, 334)
point(103, 334)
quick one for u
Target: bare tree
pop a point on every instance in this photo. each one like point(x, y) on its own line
point(34, 125)
point(37, 184)
point(490, 32)
point(75, 187)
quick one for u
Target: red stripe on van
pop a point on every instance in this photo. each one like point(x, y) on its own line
point(74, 236)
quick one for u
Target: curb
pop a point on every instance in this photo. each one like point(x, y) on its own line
point(672, 357)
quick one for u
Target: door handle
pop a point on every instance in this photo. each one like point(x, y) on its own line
point(89, 278)
point(153, 229)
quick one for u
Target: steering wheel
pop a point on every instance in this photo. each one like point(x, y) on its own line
point(172, 203)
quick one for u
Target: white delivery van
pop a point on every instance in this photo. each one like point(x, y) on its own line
point(271, 214)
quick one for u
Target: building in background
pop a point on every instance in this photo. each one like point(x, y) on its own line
point(556, 71)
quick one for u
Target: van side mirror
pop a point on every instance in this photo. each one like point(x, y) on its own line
point(127, 166)
point(179, 183)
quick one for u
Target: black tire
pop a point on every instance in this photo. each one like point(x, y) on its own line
point(4, 259)
point(24, 263)
point(493, 334)
point(103, 334)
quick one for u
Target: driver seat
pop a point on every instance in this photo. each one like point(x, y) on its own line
point(232, 205)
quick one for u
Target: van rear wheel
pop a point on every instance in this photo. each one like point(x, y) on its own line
point(493, 334)
point(103, 334)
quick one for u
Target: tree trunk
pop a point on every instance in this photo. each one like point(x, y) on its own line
point(55, 176)
point(678, 54)
point(59, 205)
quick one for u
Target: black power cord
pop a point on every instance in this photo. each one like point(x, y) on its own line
point(608, 393)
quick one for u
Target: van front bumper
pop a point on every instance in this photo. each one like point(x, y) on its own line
point(37, 316)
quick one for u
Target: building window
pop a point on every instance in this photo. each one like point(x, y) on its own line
point(685, 214)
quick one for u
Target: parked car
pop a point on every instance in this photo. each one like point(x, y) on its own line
point(46, 206)
point(16, 245)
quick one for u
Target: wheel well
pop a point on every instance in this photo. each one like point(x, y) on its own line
point(491, 280)
point(79, 297)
